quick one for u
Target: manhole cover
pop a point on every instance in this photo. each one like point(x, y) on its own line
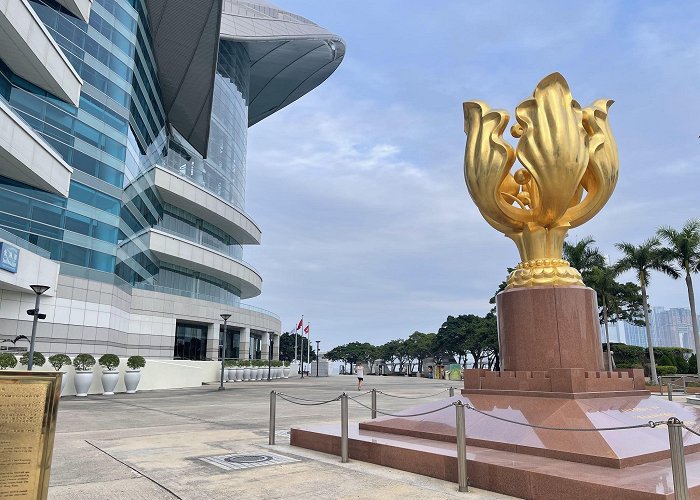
point(248, 459)
point(236, 461)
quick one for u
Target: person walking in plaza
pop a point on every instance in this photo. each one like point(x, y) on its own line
point(360, 371)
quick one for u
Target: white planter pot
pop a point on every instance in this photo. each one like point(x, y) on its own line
point(238, 374)
point(254, 373)
point(82, 381)
point(285, 371)
point(246, 374)
point(278, 372)
point(131, 380)
point(109, 381)
point(261, 372)
point(64, 382)
point(231, 374)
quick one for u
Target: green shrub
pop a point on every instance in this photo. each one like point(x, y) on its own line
point(666, 370)
point(84, 362)
point(693, 364)
point(7, 360)
point(230, 363)
point(628, 365)
point(59, 360)
point(39, 359)
point(665, 360)
point(109, 361)
point(136, 362)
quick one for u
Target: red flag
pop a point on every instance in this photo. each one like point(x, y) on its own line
point(301, 323)
point(306, 330)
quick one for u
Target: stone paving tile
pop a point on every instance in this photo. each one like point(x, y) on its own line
point(149, 445)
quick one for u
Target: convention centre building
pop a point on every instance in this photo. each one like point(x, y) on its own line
point(123, 131)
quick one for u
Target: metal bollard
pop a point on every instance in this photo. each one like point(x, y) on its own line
point(374, 403)
point(670, 391)
point(461, 448)
point(344, 428)
point(452, 391)
point(680, 479)
point(273, 411)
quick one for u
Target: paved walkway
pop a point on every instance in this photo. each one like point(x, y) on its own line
point(149, 445)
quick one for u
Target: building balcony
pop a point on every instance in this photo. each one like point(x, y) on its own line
point(31, 52)
point(185, 194)
point(27, 158)
point(181, 252)
point(79, 8)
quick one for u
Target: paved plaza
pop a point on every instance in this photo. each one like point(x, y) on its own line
point(175, 444)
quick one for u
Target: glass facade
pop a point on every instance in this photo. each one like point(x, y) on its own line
point(190, 341)
point(233, 339)
point(255, 348)
point(112, 139)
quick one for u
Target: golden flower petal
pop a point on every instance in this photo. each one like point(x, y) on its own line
point(553, 146)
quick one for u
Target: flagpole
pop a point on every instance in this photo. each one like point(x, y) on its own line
point(308, 346)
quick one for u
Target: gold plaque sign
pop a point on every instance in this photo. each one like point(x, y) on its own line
point(28, 409)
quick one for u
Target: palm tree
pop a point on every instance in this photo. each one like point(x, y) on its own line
point(582, 255)
point(684, 250)
point(602, 280)
point(647, 257)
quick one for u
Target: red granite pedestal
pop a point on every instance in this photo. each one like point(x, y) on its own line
point(552, 376)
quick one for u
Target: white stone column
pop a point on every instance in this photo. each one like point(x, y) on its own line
point(213, 342)
point(245, 343)
point(265, 347)
point(276, 347)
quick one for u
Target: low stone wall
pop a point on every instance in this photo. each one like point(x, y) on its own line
point(157, 374)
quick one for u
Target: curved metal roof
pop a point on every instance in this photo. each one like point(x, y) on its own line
point(289, 56)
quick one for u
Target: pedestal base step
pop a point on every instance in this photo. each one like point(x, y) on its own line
point(523, 476)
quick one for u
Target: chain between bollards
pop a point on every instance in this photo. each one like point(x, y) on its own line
point(462, 478)
point(344, 428)
point(374, 403)
point(680, 478)
point(273, 412)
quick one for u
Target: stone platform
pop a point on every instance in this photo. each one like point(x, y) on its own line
point(526, 462)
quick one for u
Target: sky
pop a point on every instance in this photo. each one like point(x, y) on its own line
point(368, 229)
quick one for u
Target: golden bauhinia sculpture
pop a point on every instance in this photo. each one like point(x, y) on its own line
point(569, 168)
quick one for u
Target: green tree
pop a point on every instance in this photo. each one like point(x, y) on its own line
point(469, 333)
point(683, 248)
point(420, 346)
point(615, 300)
point(647, 257)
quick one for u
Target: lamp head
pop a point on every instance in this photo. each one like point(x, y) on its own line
point(225, 316)
point(39, 289)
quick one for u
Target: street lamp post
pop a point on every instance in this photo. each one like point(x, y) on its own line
point(318, 343)
point(269, 357)
point(38, 290)
point(222, 350)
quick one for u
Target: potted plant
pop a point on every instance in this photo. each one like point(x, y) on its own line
point(238, 371)
point(7, 360)
point(262, 369)
point(39, 359)
point(230, 370)
point(246, 371)
point(110, 376)
point(83, 373)
point(58, 361)
point(253, 372)
point(132, 376)
point(286, 369)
